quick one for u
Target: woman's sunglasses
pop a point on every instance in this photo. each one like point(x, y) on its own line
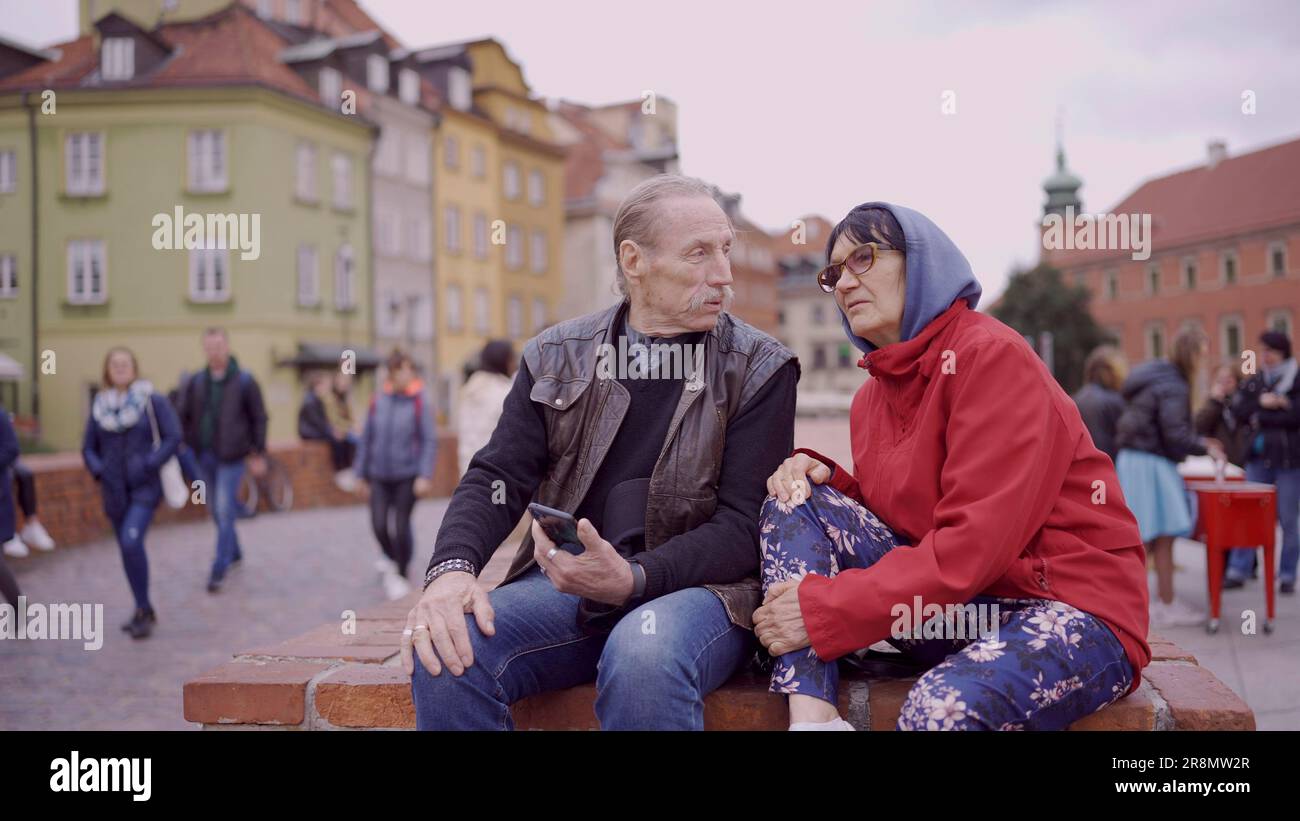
point(858, 262)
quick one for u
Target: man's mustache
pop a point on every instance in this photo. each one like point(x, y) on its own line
point(709, 294)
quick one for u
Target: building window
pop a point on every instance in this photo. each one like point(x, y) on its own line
point(537, 254)
point(1228, 267)
point(305, 184)
point(8, 276)
point(459, 92)
point(208, 160)
point(1153, 279)
point(510, 181)
point(388, 153)
point(377, 73)
point(451, 223)
point(308, 276)
point(117, 59)
point(536, 188)
point(8, 172)
point(1277, 259)
point(481, 323)
point(514, 248)
point(1189, 274)
point(819, 313)
point(539, 314)
point(421, 239)
point(387, 241)
point(345, 275)
point(514, 318)
point(417, 159)
point(455, 315)
point(87, 272)
point(1230, 336)
point(209, 275)
point(478, 162)
point(408, 86)
point(342, 166)
point(331, 86)
point(480, 236)
point(819, 357)
point(1112, 285)
point(85, 162)
point(1155, 340)
point(1279, 319)
point(845, 358)
point(451, 153)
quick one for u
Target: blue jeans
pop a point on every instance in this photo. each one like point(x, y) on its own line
point(130, 530)
point(652, 671)
point(222, 479)
point(1042, 666)
point(1288, 515)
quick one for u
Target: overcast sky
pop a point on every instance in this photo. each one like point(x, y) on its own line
point(817, 106)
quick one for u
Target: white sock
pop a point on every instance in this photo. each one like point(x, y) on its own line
point(836, 723)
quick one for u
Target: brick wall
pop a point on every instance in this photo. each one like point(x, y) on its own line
point(70, 506)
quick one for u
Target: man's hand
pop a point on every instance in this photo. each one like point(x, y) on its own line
point(438, 632)
point(257, 465)
point(798, 468)
point(599, 574)
point(779, 622)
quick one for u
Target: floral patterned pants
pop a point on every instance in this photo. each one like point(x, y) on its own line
point(1048, 665)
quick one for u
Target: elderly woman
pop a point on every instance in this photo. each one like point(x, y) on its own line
point(974, 481)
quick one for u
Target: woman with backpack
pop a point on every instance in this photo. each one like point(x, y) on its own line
point(131, 433)
point(396, 457)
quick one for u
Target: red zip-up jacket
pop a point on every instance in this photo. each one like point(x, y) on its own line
point(965, 445)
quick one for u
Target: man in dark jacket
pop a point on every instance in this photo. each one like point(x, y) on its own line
point(224, 422)
point(1269, 403)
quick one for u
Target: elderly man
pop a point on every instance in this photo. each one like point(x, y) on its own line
point(662, 459)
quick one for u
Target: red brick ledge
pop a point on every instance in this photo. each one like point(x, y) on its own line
point(324, 680)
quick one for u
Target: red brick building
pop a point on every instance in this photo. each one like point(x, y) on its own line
point(1225, 255)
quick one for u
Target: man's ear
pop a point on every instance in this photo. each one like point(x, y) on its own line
point(632, 259)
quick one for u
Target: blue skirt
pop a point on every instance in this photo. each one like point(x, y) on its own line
point(1155, 493)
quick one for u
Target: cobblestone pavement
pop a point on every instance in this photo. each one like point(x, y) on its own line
point(304, 568)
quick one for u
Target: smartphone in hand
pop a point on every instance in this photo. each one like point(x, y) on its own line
point(559, 527)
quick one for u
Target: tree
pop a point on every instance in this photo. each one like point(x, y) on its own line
point(1039, 300)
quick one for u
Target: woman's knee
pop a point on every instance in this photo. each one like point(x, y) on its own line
point(938, 701)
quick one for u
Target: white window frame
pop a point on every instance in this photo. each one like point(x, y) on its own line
point(417, 159)
point(1224, 257)
point(83, 153)
point(480, 235)
point(538, 253)
point(408, 86)
point(421, 238)
point(536, 187)
point(306, 172)
point(478, 162)
point(341, 176)
point(1147, 345)
point(204, 265)
point(1288, 321)
point(208, 165)
point(308, 276)
point(8, 276)
point(539, 314)
point(510, 180)
point(514, 317)
point(87, 251)
point(8, 172)
point(331, 87)
point(1186, 264)
point(452, 228)
point(482, 318)
point(378, 78)
point(117, 59)
point(1224, 322)
point(450, 152)
point(1273, 248)
point(455, 309)
point(514, 247)
point(345, 277)
point(460, 92)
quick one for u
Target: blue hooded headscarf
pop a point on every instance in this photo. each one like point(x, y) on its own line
point(937, 274)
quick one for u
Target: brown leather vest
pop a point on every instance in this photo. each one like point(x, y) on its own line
point(584, 408)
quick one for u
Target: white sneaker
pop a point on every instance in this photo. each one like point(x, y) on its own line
point(1174, 614)
point(15, 549)
point(35, 534)
point(385, 566)
point(395, 587)
point(346, 481)
point(835, 724)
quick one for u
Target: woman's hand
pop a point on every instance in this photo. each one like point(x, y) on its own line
point(798, 468)
point(779, 622)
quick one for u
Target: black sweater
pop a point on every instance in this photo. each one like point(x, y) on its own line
point(722, 549)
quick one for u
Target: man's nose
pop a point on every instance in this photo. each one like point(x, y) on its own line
point(720, 273)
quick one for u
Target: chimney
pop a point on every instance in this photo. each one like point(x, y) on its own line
point(1216, 152)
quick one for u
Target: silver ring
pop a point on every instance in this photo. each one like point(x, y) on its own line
point(421, 627)
point(408, 631)
point(551, 554)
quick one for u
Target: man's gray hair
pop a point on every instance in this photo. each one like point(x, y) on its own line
point(639, 213)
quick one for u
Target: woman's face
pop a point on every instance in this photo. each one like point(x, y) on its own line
point(120, 370)
point(873, 302)
point(401, 377)
point(1225, 381)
